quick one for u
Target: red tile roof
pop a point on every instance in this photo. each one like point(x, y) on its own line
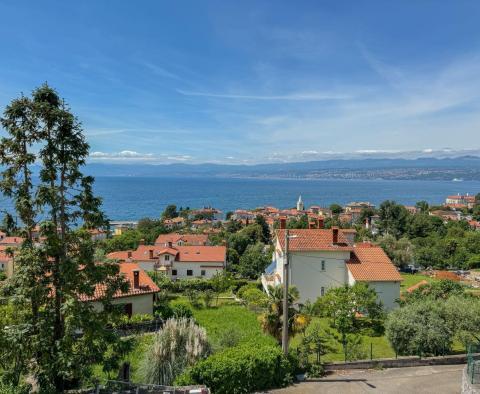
point(370, 264)
point(191, 239)
point(313, 239)
point(12, 240)
point(198, 253)
point(146, 284)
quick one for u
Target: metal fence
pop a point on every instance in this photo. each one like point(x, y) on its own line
point(473, 364)
point(118, 387)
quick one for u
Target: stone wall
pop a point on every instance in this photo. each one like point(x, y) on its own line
point(398, 362)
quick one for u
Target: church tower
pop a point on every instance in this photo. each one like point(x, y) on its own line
point(300, 206)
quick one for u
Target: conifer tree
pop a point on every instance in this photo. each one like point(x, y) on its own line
point(65, 335)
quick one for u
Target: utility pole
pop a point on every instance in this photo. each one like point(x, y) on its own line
point(285, 296)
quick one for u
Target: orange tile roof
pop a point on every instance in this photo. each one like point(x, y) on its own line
point(146, 284)
point(12, 240)
point(193, 239)
point(191, 253)
point(313, 239)
point(370, 264)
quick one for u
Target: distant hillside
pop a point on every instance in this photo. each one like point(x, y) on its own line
point(465, 168)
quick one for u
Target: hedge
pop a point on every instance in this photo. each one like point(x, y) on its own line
point(241, 369)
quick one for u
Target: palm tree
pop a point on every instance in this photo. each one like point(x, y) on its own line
point(272, 319)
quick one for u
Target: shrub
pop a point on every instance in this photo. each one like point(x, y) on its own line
point(421, 328)
point(135, 319)
point(255, 298)
point(248, 286)
point(177, 346)
point(316, 370)
point(229, 338)
point(237, 284)
point(193, 297)
point(208, 298)
point(241, 369)
point(181, 310)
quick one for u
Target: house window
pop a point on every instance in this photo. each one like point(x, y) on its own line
point(203, 272)
point(167, 257)
point(322, 291)
point(174, 272)
point(323, 265)
point(189, 272)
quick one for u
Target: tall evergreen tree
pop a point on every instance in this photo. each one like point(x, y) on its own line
point(65, 335)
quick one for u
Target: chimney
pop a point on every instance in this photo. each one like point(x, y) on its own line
point(150, 256)
point(320, 223)
point(142, 242)
point(136, 278)
point(283, 223)
point(129, 254)
point(169, 244)
point(335, 235)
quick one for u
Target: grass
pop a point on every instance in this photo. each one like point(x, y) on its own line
point(229, 321)
point(380, 346)
point(412, 279)
point(140, 346)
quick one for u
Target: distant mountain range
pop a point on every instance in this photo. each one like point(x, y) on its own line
point(459, 168)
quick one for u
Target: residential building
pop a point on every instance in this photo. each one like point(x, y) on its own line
point(138, 300)
point(174, 223)
point(321, 259)
point(97, 234)
point(176, 239)
point(12, 241)
point(120, 226)
point(177, 261)
point(460, 201)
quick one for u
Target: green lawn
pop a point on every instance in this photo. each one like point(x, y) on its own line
point(412, 279)
point(380, 346)
point(229, 320)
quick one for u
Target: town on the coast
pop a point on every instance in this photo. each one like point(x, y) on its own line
point(239, 197)
point(359, 277)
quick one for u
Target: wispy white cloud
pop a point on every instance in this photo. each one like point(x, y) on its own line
point(316, 96)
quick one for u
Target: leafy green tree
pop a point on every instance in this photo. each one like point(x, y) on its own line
point(422, 206)
point(254, 261)
point(365, 214)
point(48, 280)
point(170, 212)
point(301, 222)
point(400, 251)
point(316, 342)
point(442, 289)
point(344, 304)
point(420, 329)
point(422, 225)
point(9, 226)
point(336, 209)
point(260, 220)
point(393, 218)
point(129, 239)
point(220, 282)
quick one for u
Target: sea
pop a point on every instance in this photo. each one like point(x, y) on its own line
point(133, 198)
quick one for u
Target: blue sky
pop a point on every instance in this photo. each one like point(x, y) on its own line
point(252, 81)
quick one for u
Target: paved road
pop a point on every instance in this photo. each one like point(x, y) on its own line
point(441, 379)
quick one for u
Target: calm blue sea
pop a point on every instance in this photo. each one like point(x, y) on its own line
point(129, 198)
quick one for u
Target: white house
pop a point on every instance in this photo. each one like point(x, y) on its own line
point(138, 300)
point(321, 259)
point(193, 261)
